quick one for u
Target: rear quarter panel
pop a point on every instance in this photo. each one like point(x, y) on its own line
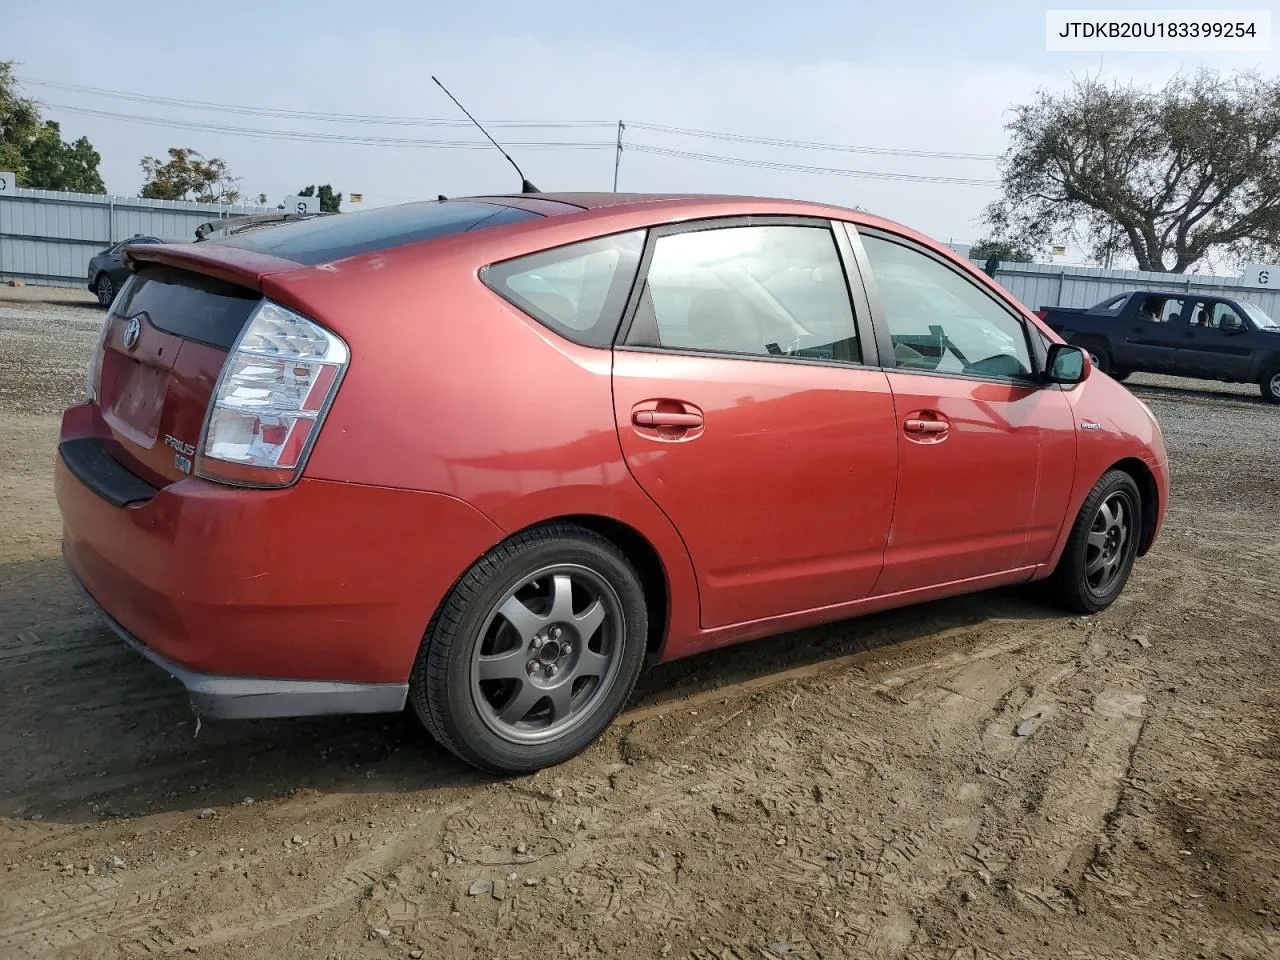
point(450, 389)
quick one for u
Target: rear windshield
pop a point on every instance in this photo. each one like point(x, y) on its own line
point(324, 239)
point(187, 305)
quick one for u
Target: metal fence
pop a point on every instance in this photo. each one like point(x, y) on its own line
point(48, 237)
point(1040, 285)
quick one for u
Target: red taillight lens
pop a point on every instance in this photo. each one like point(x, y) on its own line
point(1042, 313)
point(272, 395)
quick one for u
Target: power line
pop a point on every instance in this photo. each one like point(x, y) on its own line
point(328, 117)
point(805, 168)
point(811, 145)
point(289, 114)
point(317, 137)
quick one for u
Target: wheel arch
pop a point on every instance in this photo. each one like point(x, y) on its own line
point(643, 556)
point(1150, 493)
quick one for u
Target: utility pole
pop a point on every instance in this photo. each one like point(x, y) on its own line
point(617, 159)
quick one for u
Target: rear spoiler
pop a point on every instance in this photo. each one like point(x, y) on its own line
point(234, 225)
point(246, 268)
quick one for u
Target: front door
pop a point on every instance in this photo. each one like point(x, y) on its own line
point(1214, 344)
point(986, 454)
point(744, 411)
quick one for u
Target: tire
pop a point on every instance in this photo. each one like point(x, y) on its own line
point(104, 289)
point(1096, 562)
point(1098, 349)
point(519, 615)
point(1121, 375)
point(1270, 385)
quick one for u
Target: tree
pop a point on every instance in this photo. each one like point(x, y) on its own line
point(36, 152)
point(330, 202)
point(1005, 250)
point(53, 164)
point(1173, 175)
point(189, 176)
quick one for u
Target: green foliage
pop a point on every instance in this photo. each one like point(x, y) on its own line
point(35, 150)
point(189, 176)
point(1004, 250)
point(330, 202)
point(1173, 175)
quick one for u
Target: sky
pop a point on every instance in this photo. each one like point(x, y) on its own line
point(929, 76)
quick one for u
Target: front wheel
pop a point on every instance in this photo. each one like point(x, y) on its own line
point(1103, 544)
point(1270, 385)
point(1121, 375)
point(533, 652)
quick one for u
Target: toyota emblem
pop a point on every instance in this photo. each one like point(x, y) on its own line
point(131, 333)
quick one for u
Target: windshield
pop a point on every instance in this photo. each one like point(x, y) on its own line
point(1260, 319)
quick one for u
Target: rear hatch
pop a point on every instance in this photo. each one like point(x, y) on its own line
point(164, 344)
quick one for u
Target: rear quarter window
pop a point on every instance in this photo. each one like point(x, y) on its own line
point(335, 237)
point(578, 290)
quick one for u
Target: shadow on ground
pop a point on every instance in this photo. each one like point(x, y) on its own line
point(90, 730)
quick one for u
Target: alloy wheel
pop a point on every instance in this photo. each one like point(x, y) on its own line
point(547, 653)
point(1108, 542)
point(106, 292)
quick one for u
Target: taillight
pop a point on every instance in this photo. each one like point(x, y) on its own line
point(1042, 313)
point(274, 390)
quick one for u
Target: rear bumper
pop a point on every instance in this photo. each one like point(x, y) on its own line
point(312, 598)
point(243, 698)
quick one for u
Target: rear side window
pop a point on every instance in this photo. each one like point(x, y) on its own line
point(578, 290)
point(335, 237)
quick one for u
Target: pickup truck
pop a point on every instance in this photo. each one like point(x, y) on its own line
point(1186, 334)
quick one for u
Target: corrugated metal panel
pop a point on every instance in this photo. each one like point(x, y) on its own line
point(1043, 285)
point(48, 237)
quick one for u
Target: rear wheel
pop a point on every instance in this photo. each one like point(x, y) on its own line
point(1270, 384)
point(1103, 544)
point(534, 651)
point(104, 289)
point(1121, 375)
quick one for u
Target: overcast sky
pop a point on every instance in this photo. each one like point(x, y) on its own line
point(935, 76)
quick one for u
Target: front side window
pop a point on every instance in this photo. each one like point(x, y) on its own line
point(578, 290)
point(763, 291)
point(940, 322)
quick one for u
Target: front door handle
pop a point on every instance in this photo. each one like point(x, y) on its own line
point(666, 418)
point(913, 425)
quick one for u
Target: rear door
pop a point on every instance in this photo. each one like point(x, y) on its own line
point(1151, 333)
point(986, 453)
point(1214, 342)
point(750, 410)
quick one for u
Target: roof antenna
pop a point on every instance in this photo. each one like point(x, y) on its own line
point(525, 185)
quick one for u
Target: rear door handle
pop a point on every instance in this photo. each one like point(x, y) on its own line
point(664, 418)
point(913, 425)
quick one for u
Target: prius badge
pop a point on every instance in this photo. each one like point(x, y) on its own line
point(131, 333)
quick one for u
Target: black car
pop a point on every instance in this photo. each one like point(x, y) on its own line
point(1187, 334)
point(107, 270)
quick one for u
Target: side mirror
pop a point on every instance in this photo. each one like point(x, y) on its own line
point(1067, 364)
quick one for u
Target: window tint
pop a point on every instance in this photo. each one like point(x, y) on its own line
point(187, 305)
point(758, 290)
point(939, 321)
point(333, 237)
point(578, 290)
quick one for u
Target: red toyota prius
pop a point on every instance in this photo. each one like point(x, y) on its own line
point(487, 455)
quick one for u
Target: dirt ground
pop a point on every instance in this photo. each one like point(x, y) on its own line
point(976, 778)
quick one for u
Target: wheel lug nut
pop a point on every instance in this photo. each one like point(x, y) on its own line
point(555, 633)
point(552, 670)
point(538, 642)
point(567, 648)
point(532, 667)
